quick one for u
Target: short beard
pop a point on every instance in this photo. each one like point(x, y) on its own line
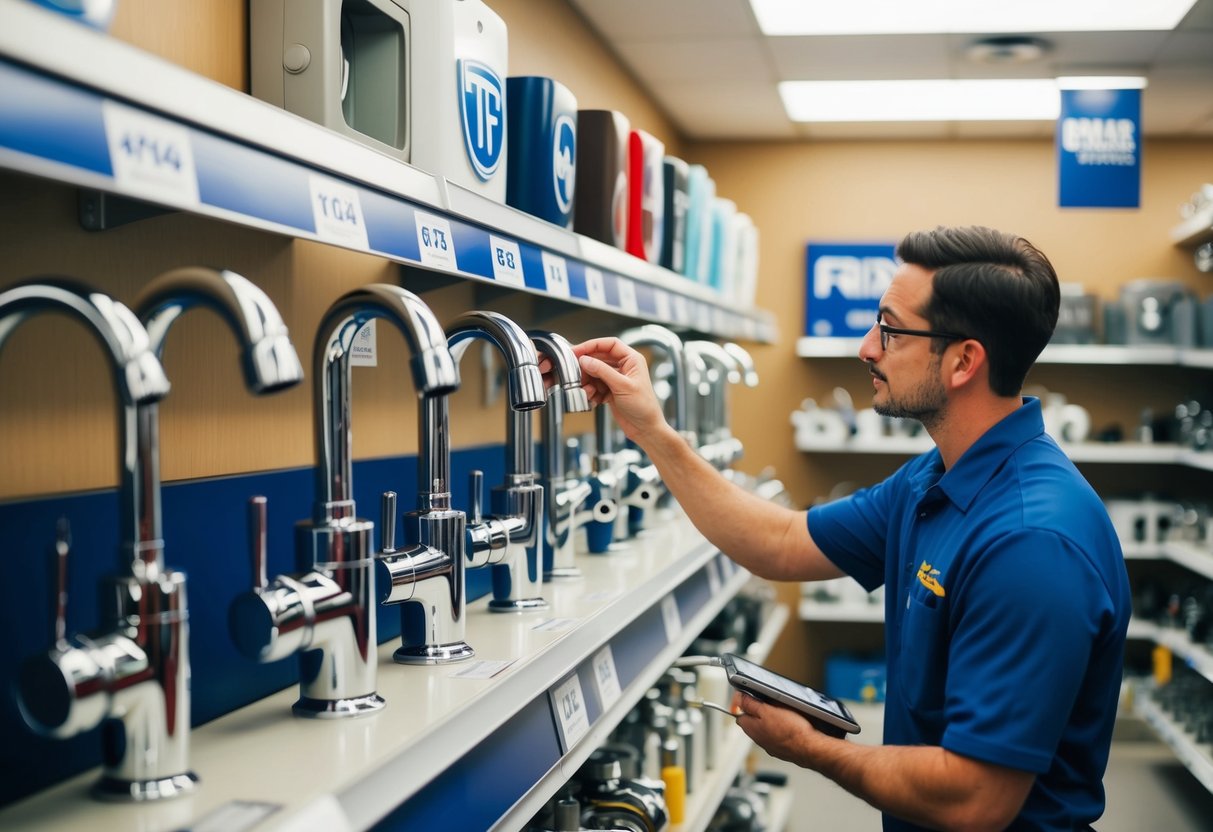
point(928, 402)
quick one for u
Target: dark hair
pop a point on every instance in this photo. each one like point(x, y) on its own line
point(993, 287)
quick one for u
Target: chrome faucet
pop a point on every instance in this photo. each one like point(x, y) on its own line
point(117, 673)
point(325, 612)
point(564, 495)
point(432, 611)
point(724, 366)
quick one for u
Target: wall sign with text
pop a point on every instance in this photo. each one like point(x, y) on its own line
point(1099, 149)
point(843, 286)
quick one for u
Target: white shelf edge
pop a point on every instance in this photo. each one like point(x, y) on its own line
point(1073, 354)
point(1193, 757)
point(779, 809)
point(841, 611)
point(1195, 230)
point(1187, 555)
point(1132, 453)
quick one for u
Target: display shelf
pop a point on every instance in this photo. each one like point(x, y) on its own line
point(779, 809)
point(702, 804)
point(1076, 354)
point(1190, 556)
point(1194, 757)
point(1112, 452)
point(82, 108)
point(1195, 230)
point(1196, 656)
point(841, 611)
point(1141, 630)
point(447, 726)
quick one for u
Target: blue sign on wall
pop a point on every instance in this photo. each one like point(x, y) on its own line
point(843, 286)
point(1099, 149)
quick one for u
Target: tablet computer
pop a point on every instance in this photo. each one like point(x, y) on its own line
point(826, 713)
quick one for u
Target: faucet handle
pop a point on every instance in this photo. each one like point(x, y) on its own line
point(63, 545)
point(258, 542)
point(387, 508)
point(476, 486)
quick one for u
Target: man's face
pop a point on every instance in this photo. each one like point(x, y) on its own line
point(906, 377)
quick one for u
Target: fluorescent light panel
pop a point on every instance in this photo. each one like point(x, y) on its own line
point(899, 17)
point(932, 100)
point(1101, 82)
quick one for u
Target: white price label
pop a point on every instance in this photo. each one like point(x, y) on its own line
point(569, 703)
point(671, 618)
point(627, 296)
point(719, 319)
point(663, 304)
point(362, 350)
point(151, 157)
point(507, 261)
point(337, 212)
point(556, 273)
point(682, 310)
point(703, 317)
point(714, 581)
point(606, 677)
point(435, 241)
point(595, 287)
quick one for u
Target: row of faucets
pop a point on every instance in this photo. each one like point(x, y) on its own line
point(136, 670)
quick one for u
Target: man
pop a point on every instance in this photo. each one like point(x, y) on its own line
point(1007, 600)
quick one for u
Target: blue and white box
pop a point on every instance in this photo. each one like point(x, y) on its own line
point(542, 166)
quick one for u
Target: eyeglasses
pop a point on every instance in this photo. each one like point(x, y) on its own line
point(886, 331)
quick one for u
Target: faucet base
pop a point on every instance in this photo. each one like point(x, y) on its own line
point(144, 791)
point(338, 708)
point(518, 605)
point(563, 573)
point(434, 653)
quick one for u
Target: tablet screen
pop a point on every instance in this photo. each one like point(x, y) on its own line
point(793, 689)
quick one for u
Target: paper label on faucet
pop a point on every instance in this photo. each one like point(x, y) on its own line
point(595, 287)
point(435, 241)
point(671, 618)
point(363, 352)
point(151, 157)
point(568, 703)
point(556, 274)
point(627, 297)
point(337, 212)
point(507, 261)
point(606, 677)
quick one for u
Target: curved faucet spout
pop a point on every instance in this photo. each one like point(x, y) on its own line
point(138, 375)
point(434, 370)
point(559, 351)
point(270, 362)
point(658, 336)
point(522, 362)
point(745, 362)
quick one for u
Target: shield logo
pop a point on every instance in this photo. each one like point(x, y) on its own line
point(482, 114)
point(564, 161)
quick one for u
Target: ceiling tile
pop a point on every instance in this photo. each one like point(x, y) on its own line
point(876, 57)
point(668, 19)
point(726, 111)
point(874, 130)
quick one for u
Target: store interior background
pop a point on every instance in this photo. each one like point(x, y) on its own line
point(58, 433)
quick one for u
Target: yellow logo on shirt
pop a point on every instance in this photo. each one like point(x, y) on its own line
point(927, 577)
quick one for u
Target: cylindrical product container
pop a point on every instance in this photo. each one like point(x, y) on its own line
point(674, 232)
point(745, 272)
point(600, 204)
point(701, 190)
point(724, 245)
point(542, 166)
point(646, 195)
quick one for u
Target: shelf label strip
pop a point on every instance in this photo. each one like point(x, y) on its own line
point(569, 708)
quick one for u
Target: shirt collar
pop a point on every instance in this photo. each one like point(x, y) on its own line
point(978, 464)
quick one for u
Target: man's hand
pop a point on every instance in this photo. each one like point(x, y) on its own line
point(780, 731)
point(614, 373)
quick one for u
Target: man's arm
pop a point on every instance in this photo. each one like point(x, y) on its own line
point(770, 540)
point(926, 785)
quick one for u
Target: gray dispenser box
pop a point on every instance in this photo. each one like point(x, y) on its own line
point(340, 63)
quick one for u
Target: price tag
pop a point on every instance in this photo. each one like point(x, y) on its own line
point(714, 581)
point(719, 319)
point(663, 304)
point(337, 212)
point(435, 241)
point(595, 287)
point(362, 350)
point(703, 318)
point(670, 618)
point(507, 261)
point(682, 310)
point(606, 677)
point(151, 157)
point(556, 273)
point(627, 297)
point(568, 702)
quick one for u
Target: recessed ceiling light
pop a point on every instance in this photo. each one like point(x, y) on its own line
point(1035, 99)
point(893, 17)
point(1006, 49)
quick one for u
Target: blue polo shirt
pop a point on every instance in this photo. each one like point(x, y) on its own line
point(1006, 608)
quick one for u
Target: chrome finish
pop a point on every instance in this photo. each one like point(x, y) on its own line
point(136, 672)
point(609, 471)
point(717, 443)
point(653, 335)
point(564, 495)
point(325, 612)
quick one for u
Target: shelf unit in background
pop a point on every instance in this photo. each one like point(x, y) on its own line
point(99, 114)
